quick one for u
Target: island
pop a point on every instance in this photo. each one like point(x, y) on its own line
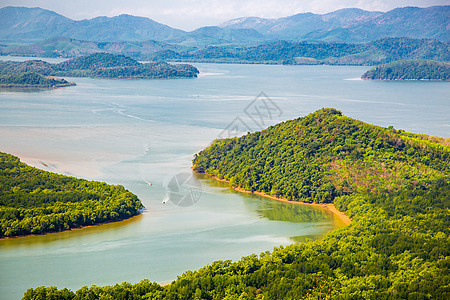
point(394, 185)
point(101, 65)
point(32, 80)
point(410, 69)
point(34, 201)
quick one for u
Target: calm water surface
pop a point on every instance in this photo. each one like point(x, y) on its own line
point(136, 132)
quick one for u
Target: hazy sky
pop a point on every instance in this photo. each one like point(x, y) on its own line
point(189, 15)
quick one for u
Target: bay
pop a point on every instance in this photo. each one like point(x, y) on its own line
point(142, 133)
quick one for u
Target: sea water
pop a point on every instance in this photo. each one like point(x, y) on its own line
point(143, 133)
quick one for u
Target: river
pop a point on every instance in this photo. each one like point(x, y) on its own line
point(144, 133)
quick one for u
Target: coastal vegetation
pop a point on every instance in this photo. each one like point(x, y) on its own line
point(325, 155)
point(396, 247)
point(393, 184)
point(102, 65)
point(419, 69)
point(32, 80)
point(34, 201)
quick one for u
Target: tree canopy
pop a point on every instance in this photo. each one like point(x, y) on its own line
point(34, 201)
point(325, 155)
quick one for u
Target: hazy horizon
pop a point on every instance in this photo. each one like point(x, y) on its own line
point(194, 14)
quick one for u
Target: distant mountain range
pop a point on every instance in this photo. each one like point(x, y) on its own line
point(28, 25)
point(353, 25)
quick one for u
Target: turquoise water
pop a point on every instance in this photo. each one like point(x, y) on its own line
point(141, 133)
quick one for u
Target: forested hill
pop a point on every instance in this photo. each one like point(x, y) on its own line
point(102, 65)
point(394, 186)
point(325, 155)
point(413, 69)
point(33, 201)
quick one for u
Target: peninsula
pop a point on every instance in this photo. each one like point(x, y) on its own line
point(34, 201)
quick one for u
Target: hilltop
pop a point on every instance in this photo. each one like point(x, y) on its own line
point(326, 155)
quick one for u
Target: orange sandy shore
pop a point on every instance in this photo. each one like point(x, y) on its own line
point(73, 229)
point(329, 206)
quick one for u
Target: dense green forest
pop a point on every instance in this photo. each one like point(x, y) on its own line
point(33, 201)
point(102, 65)
point(324, 155)
point(397, 246)
point(413, 69)
point(284, 52)
point(31, 80)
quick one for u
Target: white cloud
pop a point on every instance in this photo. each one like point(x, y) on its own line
point(192, 14)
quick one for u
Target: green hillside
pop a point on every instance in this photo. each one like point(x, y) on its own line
point(325, 155)
point(413, 69)
point(33, 201)
point(396, 192)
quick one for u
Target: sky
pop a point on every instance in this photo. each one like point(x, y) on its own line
point(192, 14)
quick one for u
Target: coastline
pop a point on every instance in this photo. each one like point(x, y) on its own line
point(73, 229)
point(330, 206)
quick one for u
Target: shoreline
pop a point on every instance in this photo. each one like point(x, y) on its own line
point(330, 206)
point(72, 229)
